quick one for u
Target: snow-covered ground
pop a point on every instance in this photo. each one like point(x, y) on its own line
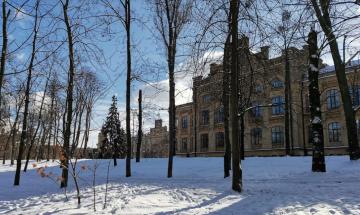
point(276, 185)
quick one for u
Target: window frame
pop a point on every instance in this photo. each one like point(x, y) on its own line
point(219, 137)
point(332, 99)
point(204, 137)
point(334, 132)
point(184, 122)
point(277, 105)
point(277, 136)
point(205, 118)
point(276, 83)
point(184, 143)
point(219, 116)
point(256, 136)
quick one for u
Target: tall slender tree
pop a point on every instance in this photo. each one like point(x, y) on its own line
point(234, 99)
point(317, 137)
point(323, 13)
point(5, 15)
point(69, 95)
point(226, 93)
point(171, 16)
point(27, 94)
point(140, 133)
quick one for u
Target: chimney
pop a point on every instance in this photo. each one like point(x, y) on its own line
point(213, 69)
point(158, 123)
point(197, 80)
point(243, 42)
point(265, 51)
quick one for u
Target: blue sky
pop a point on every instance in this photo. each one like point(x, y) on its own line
point(148, 57)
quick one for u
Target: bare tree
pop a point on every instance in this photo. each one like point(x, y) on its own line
point(69, 94)
point(140, 132)
point(39, 120)
point(234, 99)
point(317, 137)
point(126, 21)
point(27, 94)
point(171, 16)
point(323, 11)
point(5, 15)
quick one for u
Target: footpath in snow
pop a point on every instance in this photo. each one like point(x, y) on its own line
point(275, 185)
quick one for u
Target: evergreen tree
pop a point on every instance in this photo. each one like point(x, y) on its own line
point(114, 143)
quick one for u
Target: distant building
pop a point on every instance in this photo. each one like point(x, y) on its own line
point(155, 143)
point(200, 124)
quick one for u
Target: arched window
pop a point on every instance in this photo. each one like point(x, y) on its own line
point(332, 99)
point(277, 83)
point(334, 130)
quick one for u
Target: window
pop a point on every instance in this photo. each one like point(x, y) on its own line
point(256, 112)
point(205, 117)
point(206, 98)
point(219, 115)
point(219, 138)
point(184, 122)
point(310, 134)
point(278, 105)
point(256, 134)
point(355, 95)
point(334, 129)
point(277, 83)
point(332, 99)
point(184, 144)
point(259, 88)
point(307, 103)
point(204, 141)
point(277, 136)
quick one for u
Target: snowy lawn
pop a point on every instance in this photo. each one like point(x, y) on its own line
point(276, 185)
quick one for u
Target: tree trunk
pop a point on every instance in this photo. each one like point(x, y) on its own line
point(287, 102)
point(317, 137)
point(87, 127)
point(128, 87)
point(138, 149)
point(27, 99)
point(12, 135)
point(226, 89)
point(50, 126)
point(326, 25)
point(242, 137)
point(4, 47)
point(36, 130)
point(69, 99)
point(303, 118)
point(236, 167)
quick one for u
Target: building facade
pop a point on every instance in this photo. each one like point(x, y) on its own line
point(155, 143)
point(200, 124)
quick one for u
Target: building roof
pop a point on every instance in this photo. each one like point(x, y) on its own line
point(330, 69)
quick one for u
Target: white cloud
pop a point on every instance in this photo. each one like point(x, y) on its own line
point(156, 95)
point(20, 57)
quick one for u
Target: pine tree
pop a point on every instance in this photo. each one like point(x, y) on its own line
point(114, 142)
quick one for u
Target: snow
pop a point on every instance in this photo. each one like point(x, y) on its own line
point(274, 185)
point(316, 120)
point(313, 68)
